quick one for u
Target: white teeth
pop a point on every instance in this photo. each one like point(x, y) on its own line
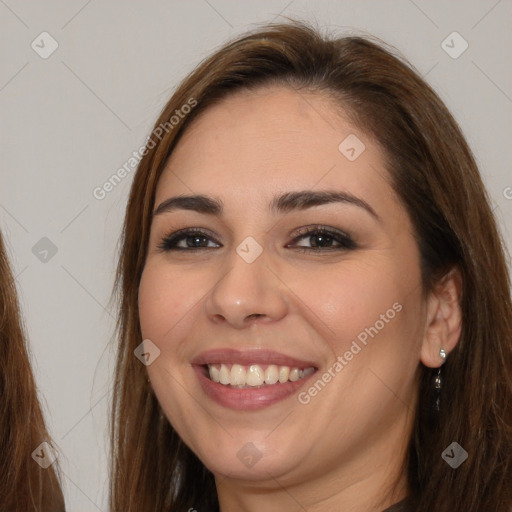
point(237, 375)
point(254, 375)
point(214, 373)
point(225, 377)
point(284, 372)
point(294, 375)
point(271, 374)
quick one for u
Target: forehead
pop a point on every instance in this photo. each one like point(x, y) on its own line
point(254, 144)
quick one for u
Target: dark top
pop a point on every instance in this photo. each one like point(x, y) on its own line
point(398, 507)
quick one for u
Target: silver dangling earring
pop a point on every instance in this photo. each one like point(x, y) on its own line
point(438, 382)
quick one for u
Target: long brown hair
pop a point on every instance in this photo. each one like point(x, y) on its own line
point(435, 175)
point(24, 484)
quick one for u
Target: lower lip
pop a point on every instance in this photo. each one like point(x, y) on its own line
point(248, 399)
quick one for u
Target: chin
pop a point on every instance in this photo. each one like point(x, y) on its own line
point(258, 461)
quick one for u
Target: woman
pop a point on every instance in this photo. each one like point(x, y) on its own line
point(28, 471)
point(311, 317)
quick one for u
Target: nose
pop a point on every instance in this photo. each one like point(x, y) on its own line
point(246, 293)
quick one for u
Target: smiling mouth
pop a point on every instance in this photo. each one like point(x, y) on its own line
point(254, 376)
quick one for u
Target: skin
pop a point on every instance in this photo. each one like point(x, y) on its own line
point(345, 448)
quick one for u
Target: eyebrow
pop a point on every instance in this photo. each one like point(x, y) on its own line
point(284, 203)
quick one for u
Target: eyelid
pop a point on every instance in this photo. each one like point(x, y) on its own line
point(304, 230)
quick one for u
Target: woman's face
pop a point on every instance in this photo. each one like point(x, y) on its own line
point(261, 295)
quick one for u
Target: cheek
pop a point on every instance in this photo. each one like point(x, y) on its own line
point(164, 301)
point(370, 319)
point(349, 299)
point(153, 303)
point(165, 313)
point(162, 315)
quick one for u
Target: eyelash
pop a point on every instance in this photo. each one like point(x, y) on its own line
point(169, 242)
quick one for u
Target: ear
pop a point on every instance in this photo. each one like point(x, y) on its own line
point(444, 319)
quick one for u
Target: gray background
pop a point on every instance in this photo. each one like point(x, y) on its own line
point(72, 119)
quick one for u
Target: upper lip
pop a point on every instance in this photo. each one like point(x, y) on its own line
point(251, 356)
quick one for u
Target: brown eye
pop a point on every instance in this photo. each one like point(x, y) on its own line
point(193, 239)
point(322, 238)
